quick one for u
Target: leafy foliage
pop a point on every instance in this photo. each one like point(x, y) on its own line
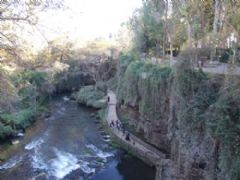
point(144, 85)
point(5, 131)
point(224, 123)
point(148, 29)
point(203, 104)
point(91, 96)
point(18, 120)
point(32, 77)
point(29, 95)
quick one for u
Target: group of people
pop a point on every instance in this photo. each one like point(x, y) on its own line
point(118, 125)
point(120, 128)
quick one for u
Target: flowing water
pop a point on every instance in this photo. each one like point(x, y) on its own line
point(69, 145)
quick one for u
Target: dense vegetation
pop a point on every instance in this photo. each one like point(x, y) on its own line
point(196, 107)
point(166, 27)
point(145, 85)
point(203, 103)
point(191, 106)
point(30, 94)
point(92, 97)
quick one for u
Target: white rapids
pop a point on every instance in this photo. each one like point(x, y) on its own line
point(100, 153)
point(34, 144)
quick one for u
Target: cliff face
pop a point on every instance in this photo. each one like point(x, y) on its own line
point(146, 88)
point(176, 110)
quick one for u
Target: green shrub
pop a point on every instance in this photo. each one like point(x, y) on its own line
point(32, 87)
point(101, 114)
point(224, 123)
point(226, 55)
point(19, 120)
point(5, 131)
point(128, 57)
point(33, 77)
point(91, 96)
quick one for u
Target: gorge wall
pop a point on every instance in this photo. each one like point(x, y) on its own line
point(187, 113)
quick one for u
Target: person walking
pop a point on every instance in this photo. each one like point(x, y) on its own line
point(128, 136)
point(112, 124)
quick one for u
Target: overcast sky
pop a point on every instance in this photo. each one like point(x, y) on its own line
point(88, 19)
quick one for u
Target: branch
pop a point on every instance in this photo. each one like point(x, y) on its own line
point(7, 38)
point(14, 19)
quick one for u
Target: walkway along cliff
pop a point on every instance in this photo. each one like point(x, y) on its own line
point(144, 151)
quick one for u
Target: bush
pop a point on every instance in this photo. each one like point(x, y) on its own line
point(224, 123)
point(227, 53)
point(5, 131)
point(91, 96)
point(101, 114)
point(33, 77)
point(19, 120)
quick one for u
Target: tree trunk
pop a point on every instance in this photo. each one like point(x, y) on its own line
point(216, 24)
point(217, 16)
point(171, 49)
point(189, 32)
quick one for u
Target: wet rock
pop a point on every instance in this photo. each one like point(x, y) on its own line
point(15, 142)
point(65, 98)
point(20, 134)
point(47, 114)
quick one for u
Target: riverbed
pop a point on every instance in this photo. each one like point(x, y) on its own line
point(70, 145)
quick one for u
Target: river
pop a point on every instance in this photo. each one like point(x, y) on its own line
point(70, 145)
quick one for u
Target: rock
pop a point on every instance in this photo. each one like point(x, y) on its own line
point(93, 115)
point(20, 134)
point(47, 115)
point(15, 142)
point(65, 98)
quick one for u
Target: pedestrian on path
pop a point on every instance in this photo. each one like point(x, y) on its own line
point(119, 127)
point(112, 124)
point(128, 136)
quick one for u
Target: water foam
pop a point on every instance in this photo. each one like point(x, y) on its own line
point(60, 166)
point(84, 166)
point(37, 162)
point(60, 112)
point(63, 164)
point(35, 143)
point(100, 153)
point(12, 162)
point(65, 98)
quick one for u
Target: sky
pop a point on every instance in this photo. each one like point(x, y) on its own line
point(87, 19)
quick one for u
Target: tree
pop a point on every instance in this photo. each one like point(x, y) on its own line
point(17, 15)
point(147, 26)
